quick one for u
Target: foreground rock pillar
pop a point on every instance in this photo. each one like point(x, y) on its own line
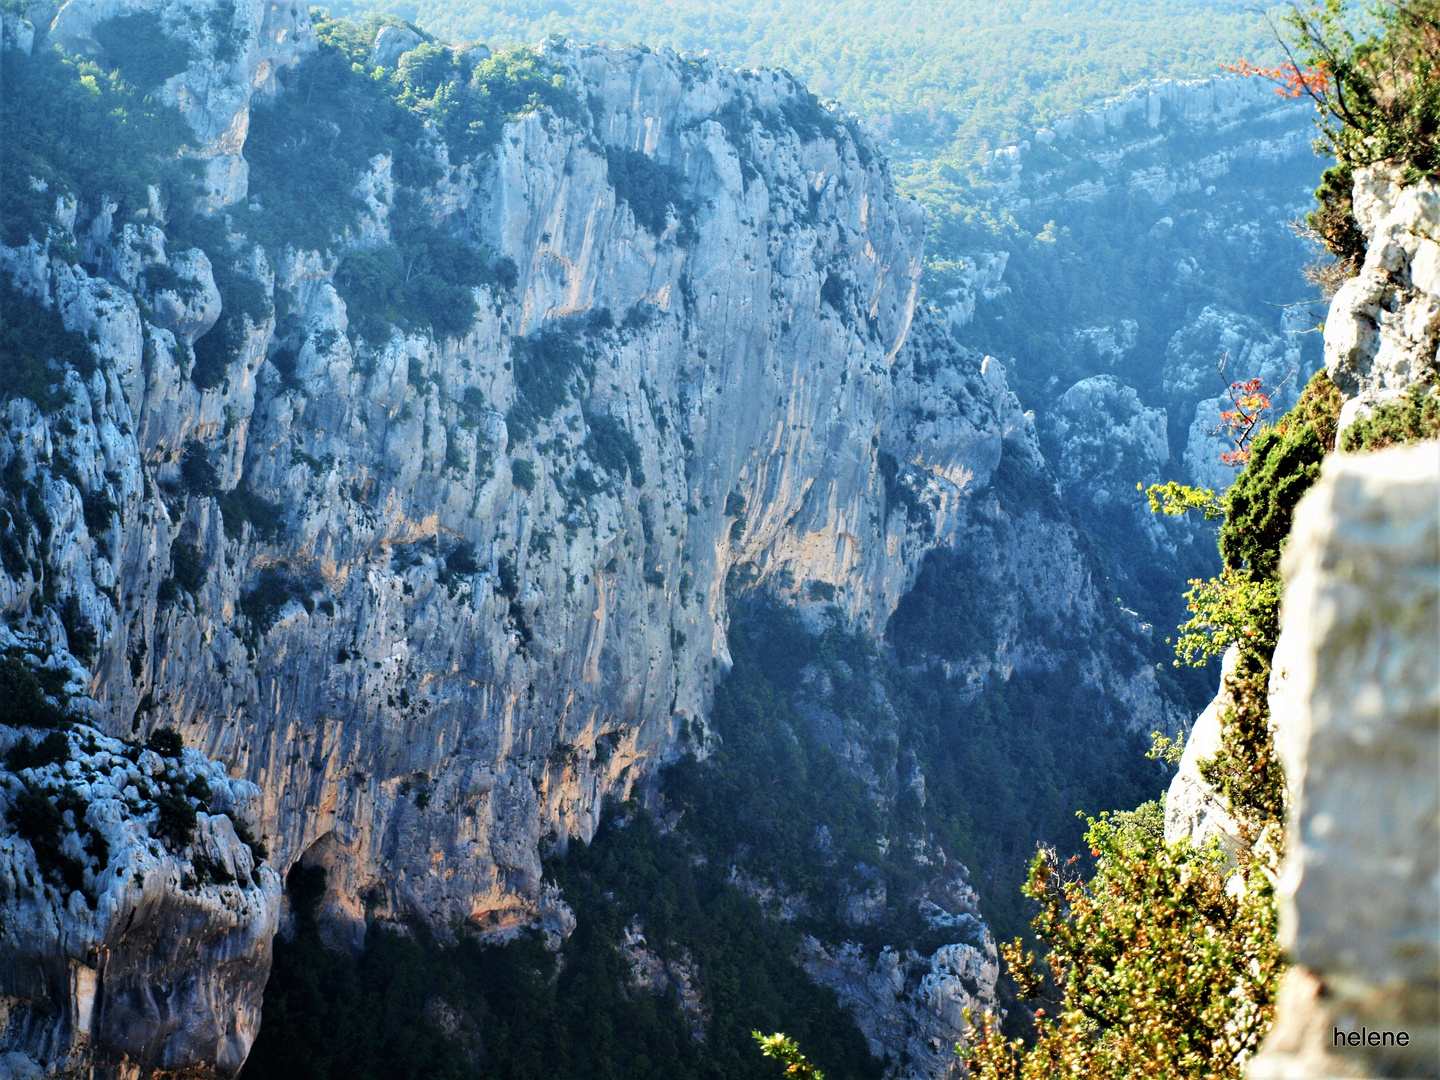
point(1355, 699)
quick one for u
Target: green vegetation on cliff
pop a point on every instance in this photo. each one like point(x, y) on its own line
point(406, 1008)
point(939, 79)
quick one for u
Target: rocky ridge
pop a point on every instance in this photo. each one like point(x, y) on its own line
point(477, 617)
point(1222, 155)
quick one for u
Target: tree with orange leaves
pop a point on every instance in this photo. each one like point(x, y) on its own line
point(1249, 403)
point(1378, 99)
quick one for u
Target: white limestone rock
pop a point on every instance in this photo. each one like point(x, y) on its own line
point(391, 43)
point(1194, 811)
point(122, 947)
point(1383, 329)
point(910, 1007)
point(439, 662)
point(1355, 702)
point(1110, 446)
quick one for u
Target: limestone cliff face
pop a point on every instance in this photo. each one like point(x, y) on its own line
point(1356, 704)
point(463, 637)
point(1384, 325)
point(1199, 177)
point(1354, 693)
point(1353, 696)
point(155, 951)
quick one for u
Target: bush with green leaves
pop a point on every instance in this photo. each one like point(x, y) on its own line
point(1166, 955)
point(31, 696)
point(1378, 97)
point(39, 820)
point(309, 147)
point(139, 49)
point(1411, 418)
point(652, 190)
point(550, 367)
point(75, 129)
point(331, 1014)
point(522, 474)
point(241, 506)
point(36, 348)
point(610, 445)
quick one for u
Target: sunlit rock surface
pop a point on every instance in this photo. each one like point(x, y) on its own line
point(1355, 700)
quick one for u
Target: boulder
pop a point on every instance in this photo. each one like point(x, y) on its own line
point(391, 43)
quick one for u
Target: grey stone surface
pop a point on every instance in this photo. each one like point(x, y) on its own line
point(1355, 702)
point(454, 666)
point(1383, 329)
point(1194, 811)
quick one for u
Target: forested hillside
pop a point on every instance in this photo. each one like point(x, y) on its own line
point(939, 80)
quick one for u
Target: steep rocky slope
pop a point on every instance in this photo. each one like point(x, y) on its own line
point(1113, 260)
point(438, 587)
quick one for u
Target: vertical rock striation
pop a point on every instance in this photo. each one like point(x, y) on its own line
point(433, 598)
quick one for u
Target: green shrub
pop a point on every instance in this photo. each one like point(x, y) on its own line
point(99, 509)
point(24, 700)
point(198, 475)
point(199, 789)
point(308, 147)
point(25, 754)
point(141, 50)
point(176, 821)
point(461, 561)
point(166, 742)
point(1413, 418)
point(508, 583)
point(247, 837)
point(612, 447)
point(242, 506)
point(547, 365)
point(32, 336)
point(216, 350)
point(41, 824)
point(262, 604)
point(425, 279)
point(1284, 463)
point(522, 475)
point(1378, 99)
point(945, 615)
point(652, 190)
point(329, 1014)
point(80, 635)
point(1158, 957)
point(187, 566)
point(80, 131)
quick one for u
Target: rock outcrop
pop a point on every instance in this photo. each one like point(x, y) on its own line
point(430, 598)
point(1355, 698)
point(1194, 811)
point(133, 904)
point(429, 638)
point(1383, 329)
point(910, 1007)
point(1355, 692)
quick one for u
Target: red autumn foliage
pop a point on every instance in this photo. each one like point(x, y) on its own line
point(1251, 402)
point(1291, 81)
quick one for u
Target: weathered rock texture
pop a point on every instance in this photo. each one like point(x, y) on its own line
point(157, 952)
point(1383, 329)
point(465, 638)
point(1194, 810)
point(1356, 703)
point(910, 1007)
point(1355, 690)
